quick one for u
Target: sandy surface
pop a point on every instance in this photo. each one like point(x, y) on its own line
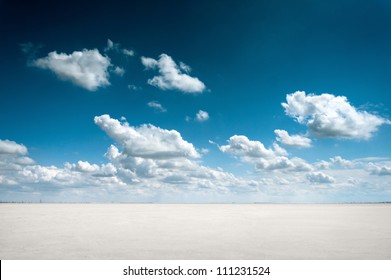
point(195, 231)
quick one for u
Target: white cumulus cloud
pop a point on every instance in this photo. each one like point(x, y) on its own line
point(242, 146)
point(339, 161)
point(295, 141)
point(11, 147)
point(327, 115)
point(171, 76)
point(320, 178)
point(146, 141)
point(134, 87)
point(87, 68)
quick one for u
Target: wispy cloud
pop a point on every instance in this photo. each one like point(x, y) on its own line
point(157, 106)
point(134, 87)
point(111, 46)
point(119, 71)
point(128, 52)
point(381, 170)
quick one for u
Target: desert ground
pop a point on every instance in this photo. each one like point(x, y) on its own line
point(195, 231)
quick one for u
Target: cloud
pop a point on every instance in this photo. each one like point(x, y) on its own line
point(128, 52)
point(264, 158)
point(119, 71)
point(161, 160)
point(126, 177)
point(13, 157)
point(105, 170)
point(87, 68)
point(274, 163)
point(157, 106)
point(82, 166)
point(27, 48)
point(322, 164)
point(381, 170)
point(320, 178)
point(30, 50)
point(184, 67)
point(131, 178)
point(338, 160)
point(146, 141)
point(295, 141)
point(111, 46)
point(327, 115)
point(134, 87)
point(202, 116)
point(283, 163)
point(240, 145)
point(171, 76)
point(11, 147)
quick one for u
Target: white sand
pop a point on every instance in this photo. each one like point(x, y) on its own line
point(195, 231)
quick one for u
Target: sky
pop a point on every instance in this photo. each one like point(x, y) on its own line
point(195, 101)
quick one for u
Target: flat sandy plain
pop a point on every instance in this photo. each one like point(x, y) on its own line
point(195, 231)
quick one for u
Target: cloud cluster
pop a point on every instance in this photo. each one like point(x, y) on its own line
point(161, 160)
point(294, 164)
point(171, 76)
point(295, 141)
point(13, 158)
point(90, 69)
point(327, 115)
point(87, 68)
point(13, 155)
point(138, 176)
point(264, 158)
point(341, 162)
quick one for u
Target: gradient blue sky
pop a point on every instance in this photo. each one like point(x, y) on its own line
point(164, 62)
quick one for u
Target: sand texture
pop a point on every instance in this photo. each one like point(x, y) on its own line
point(195, 231)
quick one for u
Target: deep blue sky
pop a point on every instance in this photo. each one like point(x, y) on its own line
point(249, 55)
